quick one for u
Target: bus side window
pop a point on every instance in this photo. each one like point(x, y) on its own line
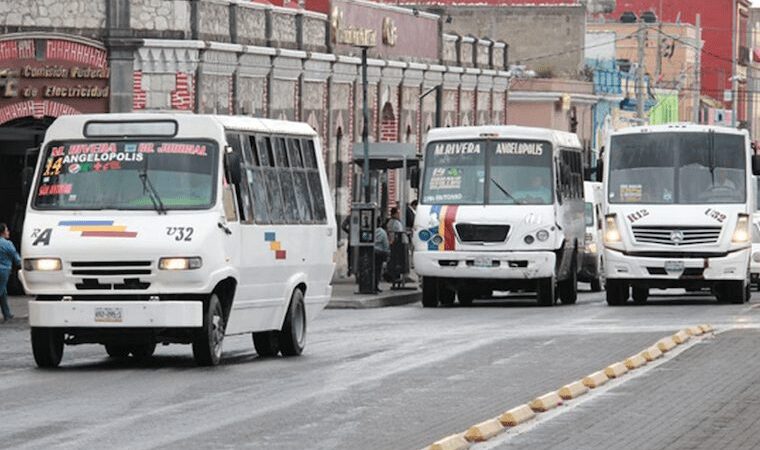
point(274, 193)
point(257, 181)
point(315, 182)
point(300, 179)
point(285, 176)
point(242, 195)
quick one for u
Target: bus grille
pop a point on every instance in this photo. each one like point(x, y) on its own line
point(111, 275)
point(469, 232)
point(672, 235)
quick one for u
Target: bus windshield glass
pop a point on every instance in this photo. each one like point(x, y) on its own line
point(677, 168)
point(506, 172)
point(127, 175)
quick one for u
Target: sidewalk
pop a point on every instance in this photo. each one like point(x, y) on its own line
point(343, 297)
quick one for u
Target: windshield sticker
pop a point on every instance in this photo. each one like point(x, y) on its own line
point(54, 189)
point(520, 148)
point(446, 178)
point(630, 193)
point(98, 228)
point(634, 216)
point(716, 215)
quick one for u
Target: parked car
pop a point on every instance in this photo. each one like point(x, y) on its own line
point(592, 265)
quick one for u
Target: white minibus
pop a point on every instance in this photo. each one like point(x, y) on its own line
point(501, 208)
point(174, 228)
point(678, 205)
point(592, 265)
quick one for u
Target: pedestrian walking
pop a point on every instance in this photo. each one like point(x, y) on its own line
point(9, 258)
point(382, 251)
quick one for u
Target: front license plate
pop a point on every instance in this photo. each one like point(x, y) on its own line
point(483, 262)
point(108, 315)
point(674, 266)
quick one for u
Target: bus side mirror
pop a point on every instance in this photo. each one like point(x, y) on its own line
point(414, 177)
point(756, 164)
point(233, 162)
point(27, 178)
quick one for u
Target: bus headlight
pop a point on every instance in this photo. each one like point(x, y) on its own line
point(591, 247)
point(741, 232)
point(180, 263)
point(542, 235)
point(611, 233)
point(42, 265)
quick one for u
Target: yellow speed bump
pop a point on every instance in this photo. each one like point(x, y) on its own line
point(615, 370)
point(634, 362)
point(546, 402)
point(706, 327)
point(484, 430)
point(453, 442)
point(695, 331)
point(595, 380)
point(680, 337)
point(516, 416)
point(651, 353)
point(572, 390)
point(666, 344)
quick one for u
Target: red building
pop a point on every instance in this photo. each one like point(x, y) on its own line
point(717, 24)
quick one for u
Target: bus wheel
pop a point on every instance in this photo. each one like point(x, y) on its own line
point(640, 295)
point(266, 343)
point(732, 292)
point(47, 346)
point(117, 351)
point(545, 292)
point(430, 292)
point(141, 352)
point(617, 293)
point(292, 337)
point(207, 344)
point(446, 295)
point(466, 296)
point(568, 289)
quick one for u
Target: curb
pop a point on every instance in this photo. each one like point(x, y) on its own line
point(380, 301)
point(493, 427)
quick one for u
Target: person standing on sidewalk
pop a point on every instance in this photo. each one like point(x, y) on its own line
point(382, 252)
point(9, 258)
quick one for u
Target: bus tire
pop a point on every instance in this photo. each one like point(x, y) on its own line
point(568, 288)
point(734, 292)
point(207, 343)
point(266, 343)
point(545, 291)
point(117, 351)
point(466, 296)
point(430, 287)
point(47, 347)
point(596, 285)
point(141, 352)
point(617, 293)
point(292, 337)
point(640, 295)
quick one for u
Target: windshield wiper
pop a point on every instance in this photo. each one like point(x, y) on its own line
point(501, 188)
point(158, 205)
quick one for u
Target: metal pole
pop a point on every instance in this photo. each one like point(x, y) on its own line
point(734, 84)
point(640, 97)
point(697, 70)
point(365, 131)
point(750, 81)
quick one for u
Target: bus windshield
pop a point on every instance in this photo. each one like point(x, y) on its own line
point(507, 172)
point(127, 175)
point(677, 168)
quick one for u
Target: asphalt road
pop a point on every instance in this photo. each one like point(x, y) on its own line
point(397, 378)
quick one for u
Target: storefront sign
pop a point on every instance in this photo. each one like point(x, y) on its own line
point(51, 77)
point(392, 32)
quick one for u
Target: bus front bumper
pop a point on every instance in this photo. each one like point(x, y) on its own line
point(116, 314)
point(493, 265)
point(728, 267)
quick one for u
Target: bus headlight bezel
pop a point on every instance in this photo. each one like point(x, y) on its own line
point(611, 231)
point(176, 263)
point(542, 235)
point(42, 264)
point(741, 233)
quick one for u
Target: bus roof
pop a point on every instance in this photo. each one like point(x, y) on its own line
point(505, 131)
point(190, 125)
point(684, 127)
